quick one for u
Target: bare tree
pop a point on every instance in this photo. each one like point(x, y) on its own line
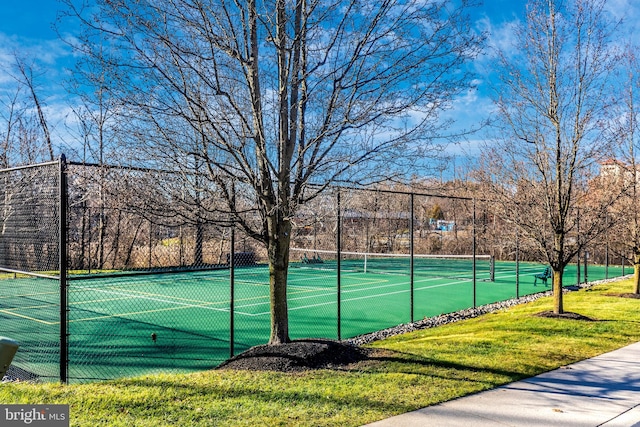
point(24, 130)
point(27, 79)
point(622, 174)
point(280, 94)
point(19, 136)
point(554, 95)
point(9, 115)
point(95, 113)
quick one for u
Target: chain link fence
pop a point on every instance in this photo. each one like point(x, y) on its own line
point(156, 278)
point(30, 298)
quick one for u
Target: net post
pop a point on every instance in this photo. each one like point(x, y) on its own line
point(62, 259)
point(338, 264)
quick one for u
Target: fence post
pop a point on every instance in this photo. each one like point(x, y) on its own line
point(474, 253)
point(578, 254)
point(411, 258)
point(338, 257)
point(586, 266)
point(517, 263)
point(232, 291)
point(62, 259)
point(606, 251)
point(150, 244)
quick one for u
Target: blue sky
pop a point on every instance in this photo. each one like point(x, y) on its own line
point(26, 26)
point(29, 19)
point(26, 29)
point(32, 19)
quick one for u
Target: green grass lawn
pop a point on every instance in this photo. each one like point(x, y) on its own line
point(408, 372)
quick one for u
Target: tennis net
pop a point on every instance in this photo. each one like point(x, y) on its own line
point(452, 266)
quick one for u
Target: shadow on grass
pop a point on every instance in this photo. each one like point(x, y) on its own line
point(381, 360)
point(347, 388)
point(623, 295)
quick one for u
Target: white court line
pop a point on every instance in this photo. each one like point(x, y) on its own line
point(182, 304)
point(138, 296)
point(347, 291)
point(371, 296)
point(22, 316)
point(328, 294)
point(359, 298)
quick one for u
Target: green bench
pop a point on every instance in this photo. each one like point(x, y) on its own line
point(546, 274)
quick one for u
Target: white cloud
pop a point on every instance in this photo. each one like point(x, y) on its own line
point(47, 52)
point(48, 59)
point(500, 37)
point(623, 9)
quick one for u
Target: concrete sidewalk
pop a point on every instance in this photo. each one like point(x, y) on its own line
point(603, 391)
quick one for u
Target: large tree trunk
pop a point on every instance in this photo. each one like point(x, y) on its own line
point(278, 252)
point(557, 292)
point(558, 269)
point(636, 272)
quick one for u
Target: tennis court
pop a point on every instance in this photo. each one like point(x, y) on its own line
point(182, 321)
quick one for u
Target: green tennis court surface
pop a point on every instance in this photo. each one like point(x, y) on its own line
point(160, 322)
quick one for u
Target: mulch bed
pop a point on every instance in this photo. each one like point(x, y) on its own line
point(297, 356)
point(565, 315)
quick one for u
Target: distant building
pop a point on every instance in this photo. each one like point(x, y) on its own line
point(441, 225)
point(614, 169)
